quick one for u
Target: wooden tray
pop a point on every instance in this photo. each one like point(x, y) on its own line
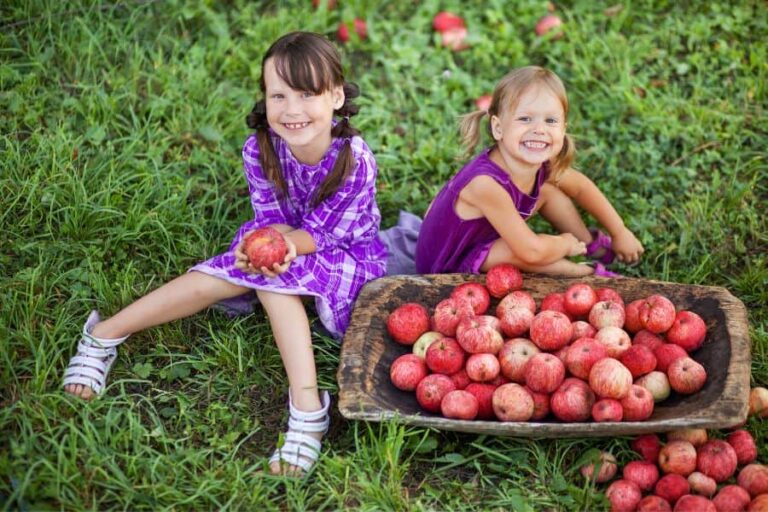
point(366, 393)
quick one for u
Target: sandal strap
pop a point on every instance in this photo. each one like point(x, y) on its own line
point(601, 271)
point(601, 241)
point(298, 450)
point(313, 421)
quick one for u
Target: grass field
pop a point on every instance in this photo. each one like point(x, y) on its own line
point(121, 125)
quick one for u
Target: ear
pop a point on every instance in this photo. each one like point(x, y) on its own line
point(496, 127)
point(338, 97)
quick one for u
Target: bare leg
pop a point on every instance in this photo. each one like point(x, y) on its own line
point(558, 209)
point(500, 253)
point(290, 327)
point(182, 297)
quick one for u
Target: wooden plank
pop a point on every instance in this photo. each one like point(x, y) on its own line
point(365, 392)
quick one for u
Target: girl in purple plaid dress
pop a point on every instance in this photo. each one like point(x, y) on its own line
point(312, 178)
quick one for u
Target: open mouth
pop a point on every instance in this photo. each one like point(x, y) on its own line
point(534, 144)
point(295, 126)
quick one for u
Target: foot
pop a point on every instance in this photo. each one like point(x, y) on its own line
point(301, 447)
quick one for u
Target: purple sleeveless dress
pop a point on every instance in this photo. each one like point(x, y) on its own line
point(450, 244)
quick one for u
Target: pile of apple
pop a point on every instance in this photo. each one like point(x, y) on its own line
point(583, 356)
point(691, 472)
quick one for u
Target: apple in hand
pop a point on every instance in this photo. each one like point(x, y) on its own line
point(265, 247)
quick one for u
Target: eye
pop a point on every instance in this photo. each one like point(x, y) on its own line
point(552, 120)
point(277, 96)
point(524, 119)
point(308, 94)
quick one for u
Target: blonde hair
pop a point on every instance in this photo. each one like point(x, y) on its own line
point(506, 95)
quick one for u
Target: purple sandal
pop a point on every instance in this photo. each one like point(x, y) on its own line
point(601, 271)
point(599, 249)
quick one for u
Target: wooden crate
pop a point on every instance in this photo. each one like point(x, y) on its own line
point(366, 393)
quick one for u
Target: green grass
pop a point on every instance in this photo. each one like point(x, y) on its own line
point(121, 126)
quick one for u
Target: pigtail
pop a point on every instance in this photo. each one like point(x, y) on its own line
point(257, 120)
point(470, 131)
point(345, 160)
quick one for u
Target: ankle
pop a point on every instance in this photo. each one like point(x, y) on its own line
point(106, 331)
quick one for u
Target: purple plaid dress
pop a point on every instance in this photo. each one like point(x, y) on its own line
point(344, 227)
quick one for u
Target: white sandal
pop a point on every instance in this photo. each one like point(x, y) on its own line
point(299, 449)
point(94, 358)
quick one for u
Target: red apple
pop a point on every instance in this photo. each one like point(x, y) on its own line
point(572, 401)
point(544, 373)
point(693, 503)
point(608, 293)
point(648, 339)
point(511, 402)
point(484, 102)
point(548, 23)
point(504, 277)
point(407, 371)
point(479, 334)
point(431, 390)
point(666, 354)
point(474, 293)
point(445, 20)
point(677, 457)
point(607, 409)
point(424, 341)
point(657, 313)
point(606, 468)
point(657, 383)
point(648, 446)
point(455, 39)
point(361, 29)
point(578, 299)
point(515, 322)
point(608, 378)
point(758, 402)
point(551, 330)
point(460, 405)
point(615, 339)
point(731, 498)
point(448, 314)
point(638, 404)
point(639, 360)
point(445, 356)
point(653, 503)
point(484, 395)
point(541, 404)
point(744, 445)
point(686, 376)
point(555, 302)
point(265, 247)
point(460, 379)
point(688, 330)
point(513, 357)
point(644, 474)
point(759, 504)
point(582, 355)
point(516, 299)
point(696, 436)
point(407, 322)
point(632, 316)
point(623, 495)
point(754, 479)
point(606, 313)
point(482, 367)
point(672, 487)
point(582, 329)
point(702, 484)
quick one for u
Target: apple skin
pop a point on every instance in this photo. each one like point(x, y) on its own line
point(516, 321)
point(551, 330)
point(572, 401)
point(484, 102)
point(582, 329)
point(407, 371)
point(511, 402)
point(424, 341)
point(544, 373)
point(686, 376)
point(672, 487)
point(407, 323)
point(547, 23)
point(744, 445)
point(758, 402)
point(693, 503)
point(480, 334)
point(759, 504)
point(657, 313)
point(702, 484)
point(657, 383)
point(513, 357)
point(638, 404)
point(615, 339)
point(516, 299)
point(607, 471)
point(648, 446)
point(666, 354)
point(448, 313)
point(606, 313)
point(696, 436)
point(644, 474)
point(648, 339)
point(474, 293)
point(623, 495)
point(677, 457)
point(445, 356)
point(460, 405)
point(445, 20)
point(688, 330)
point(541, 404)
point(639, 360)
point(503, 278)
point(460, 379)
point(608, 293)
point(608, 378)
point(582, 355)
point(265, 247)
point(632, 316)
point(431, 390)
point(653, 503)
point(455, 39)
point(361, 29)
point(731, 498)
point(607, 409)
point(482, 367)
point(754, 479)
point(555, 302)
point(484, 394)
point(578, 299)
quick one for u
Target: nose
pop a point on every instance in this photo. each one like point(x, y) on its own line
point(293, 106)
point(540, 127)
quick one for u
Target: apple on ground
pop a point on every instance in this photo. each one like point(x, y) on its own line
point(330, 4)
point(547, 23)
point(606, 468)
point(648, 446)
point(445, 20)
point(702, 484)
point(696, 436)
point(513, 357)
point(265, 247)
point(480, 334)
point(608, 378)
point(645, 474)
point(511, 402)
point(672, 487)
point(623, 495)
point(544, 373)
point(678, 457)
point(505, 277)
point(607, 409)
point(407, 371)
point(455, 39)
point(758, 402)
point(572, 401)
point(657, 383)
point(638, 404)
point(688, 330)
point(754, 479)
point(694, 503)
point(460, 405)
point(653, 503)
point(686, 376)
point(408, 322)
point(474, 293)
point(550, 330)
point(482, 367)
point(744, 445)
point(731, 498)
point(431, 390)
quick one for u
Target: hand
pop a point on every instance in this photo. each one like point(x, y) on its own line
point(627, 247)
point(243, 263)
point(575, 246)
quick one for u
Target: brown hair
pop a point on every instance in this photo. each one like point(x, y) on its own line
point(506, 95)
point(307, 62)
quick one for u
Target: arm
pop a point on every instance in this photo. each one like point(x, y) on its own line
point(585, 193)
point(489, 198)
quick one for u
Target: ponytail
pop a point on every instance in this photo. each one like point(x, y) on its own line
point(470, 131)
point(257, 120)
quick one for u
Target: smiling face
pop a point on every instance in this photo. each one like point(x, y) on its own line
point(531, 132)
point(301, 117)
